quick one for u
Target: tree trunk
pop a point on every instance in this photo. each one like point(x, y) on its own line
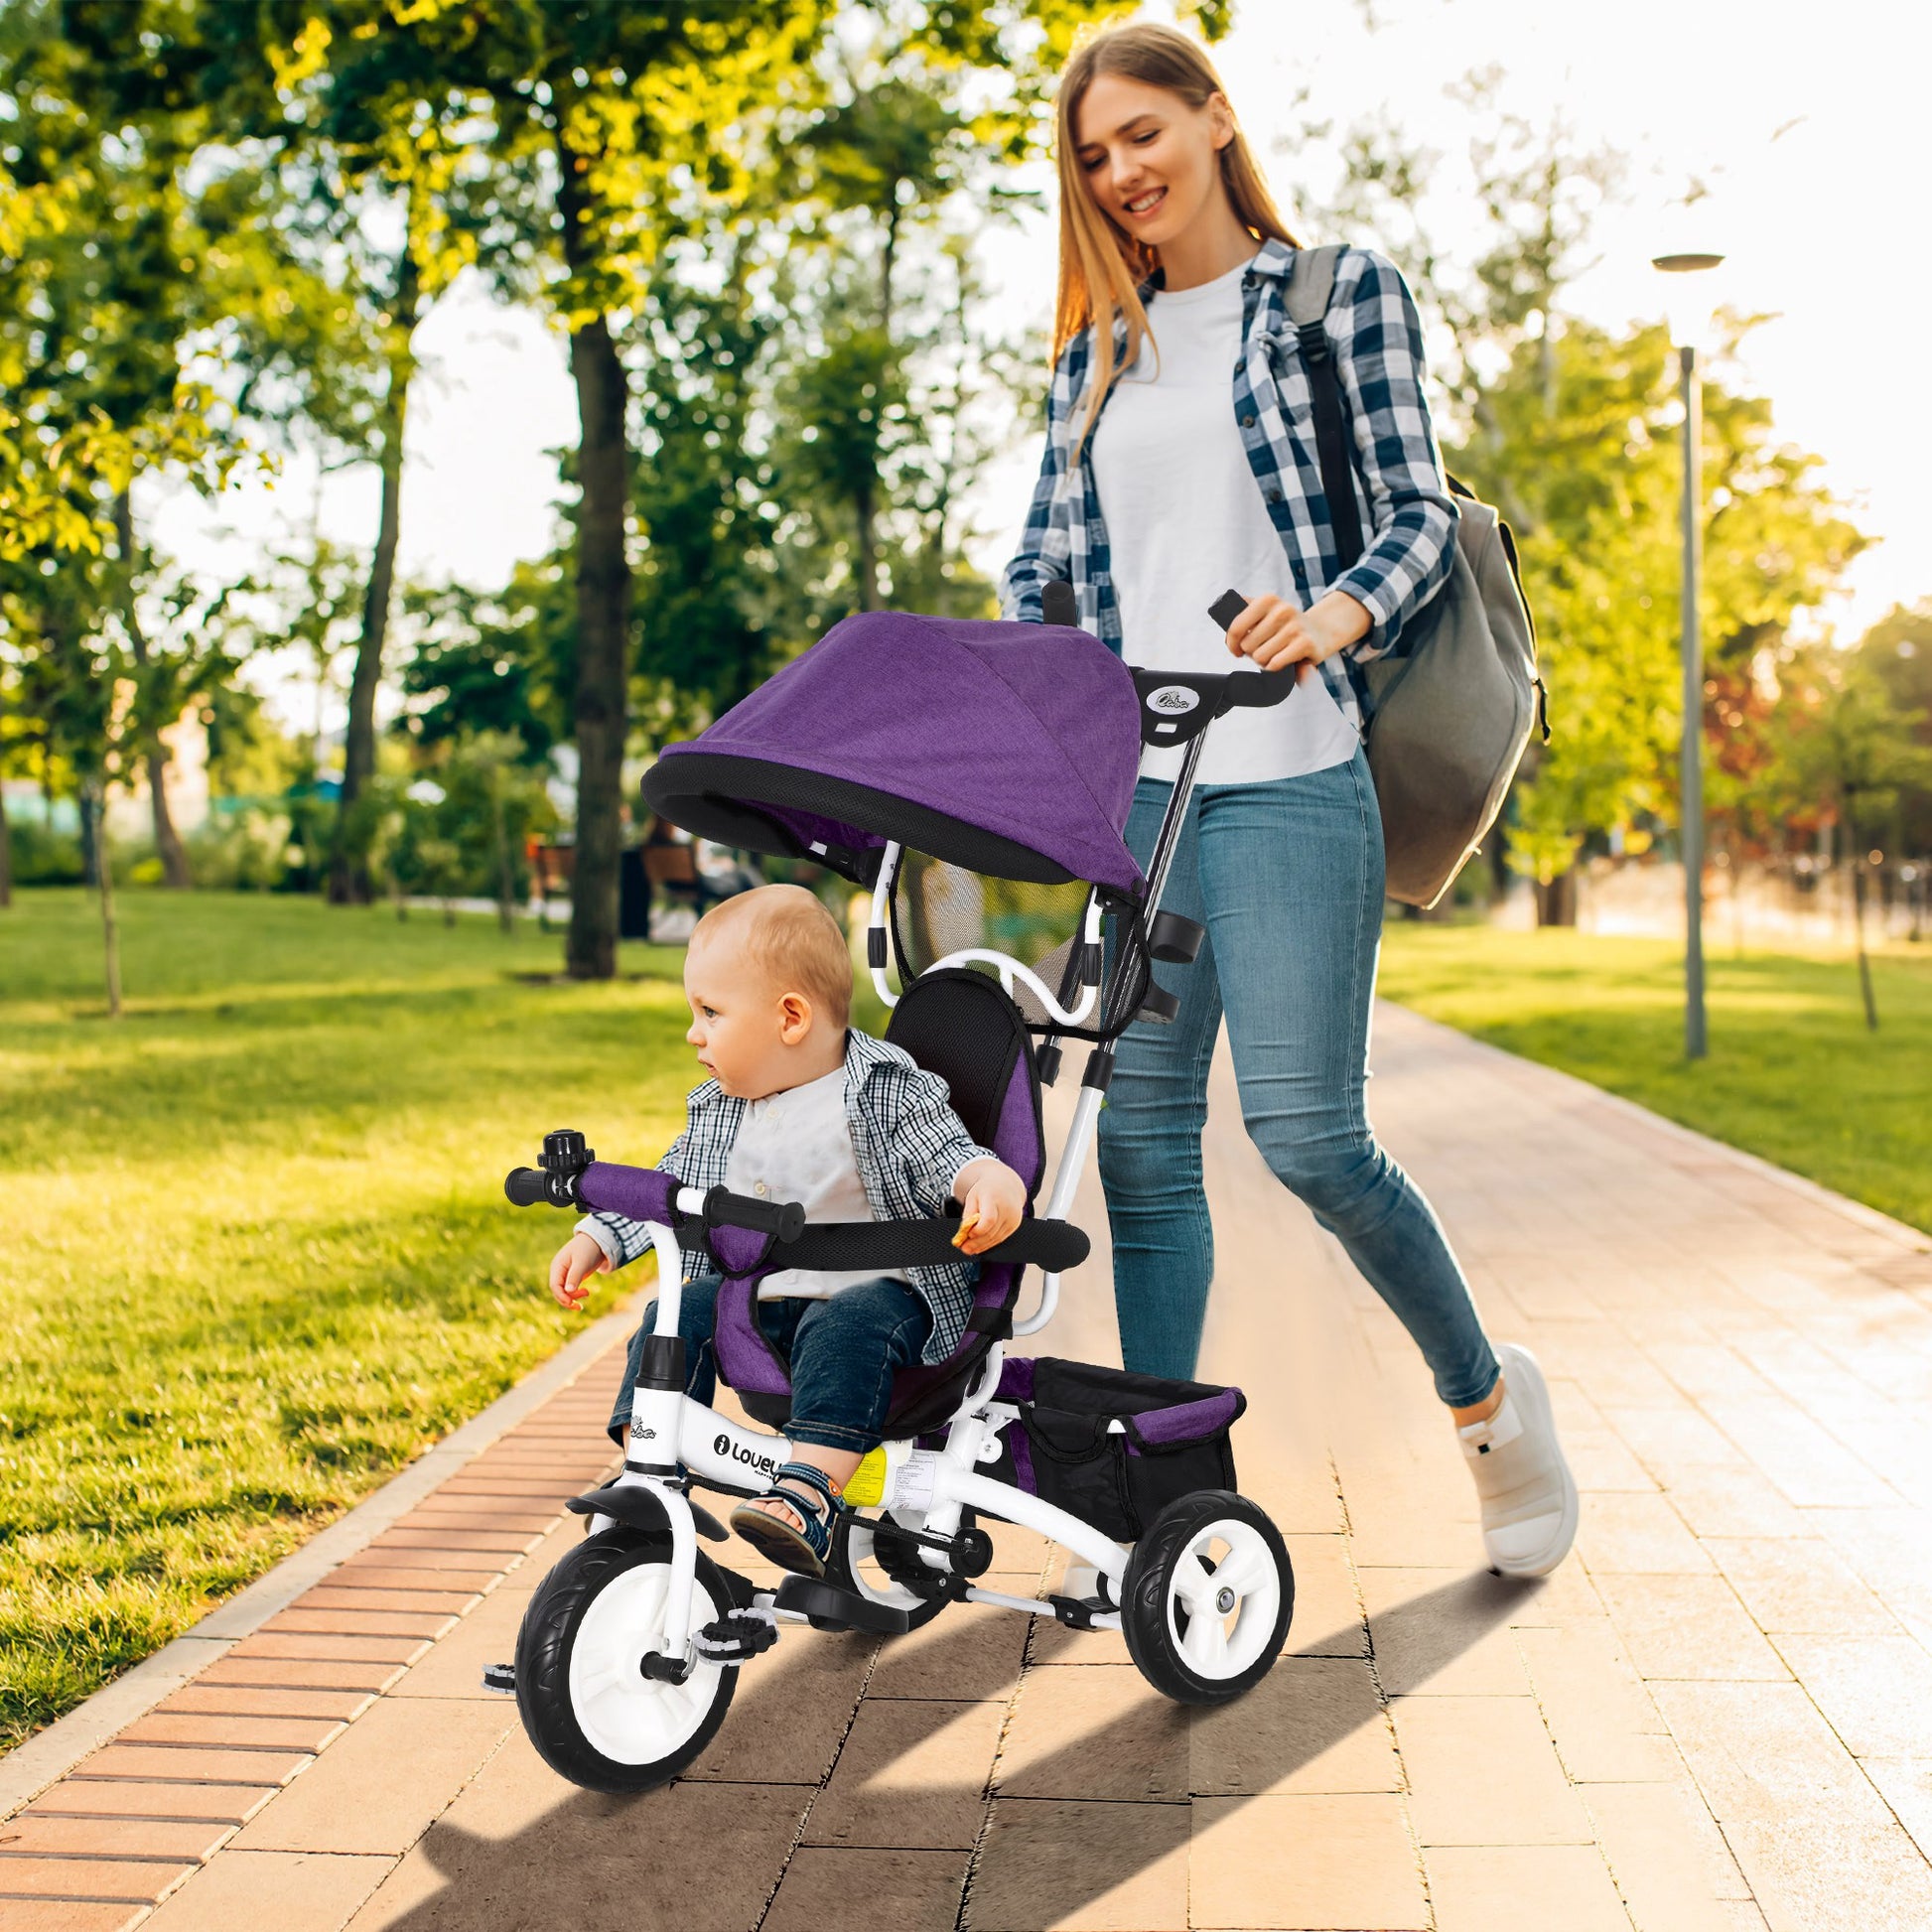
point(1857, 922)
point(90, 838)
point(349, 867)
point(868, 550)
point(109, 931)
point(602, 617)
point(154, 755)
point(1555, 902)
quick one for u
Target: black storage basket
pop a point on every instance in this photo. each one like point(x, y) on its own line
point(1173, 1440)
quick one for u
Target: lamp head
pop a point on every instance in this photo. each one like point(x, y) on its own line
point(1688, 306)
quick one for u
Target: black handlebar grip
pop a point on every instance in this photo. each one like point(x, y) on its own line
point(785, 1218)
point(1058, 605)
point(1226, 608)
point(527, 1186)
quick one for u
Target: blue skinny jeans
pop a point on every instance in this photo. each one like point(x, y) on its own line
point(1287, 877)
point(843, 1352)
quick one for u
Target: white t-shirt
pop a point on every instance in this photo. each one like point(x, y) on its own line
point(797, 1145)
point(1185, 521)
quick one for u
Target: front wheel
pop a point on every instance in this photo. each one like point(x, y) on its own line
point(1207, 1597)
point(589, 1708)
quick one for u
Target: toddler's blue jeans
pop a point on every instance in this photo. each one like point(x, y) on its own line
point(1287, 877)
point(843, 1352)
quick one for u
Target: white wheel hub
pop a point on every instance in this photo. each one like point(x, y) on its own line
point(1224, 1593)
point(629, 1717)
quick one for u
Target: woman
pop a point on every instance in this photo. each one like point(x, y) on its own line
point(1181, 460)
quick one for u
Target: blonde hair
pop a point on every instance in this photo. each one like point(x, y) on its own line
point(1101, 265)
point(793, 940)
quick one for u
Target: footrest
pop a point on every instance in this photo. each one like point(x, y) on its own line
point(825, 1607)
point(737, 1637)
point(500, 1678)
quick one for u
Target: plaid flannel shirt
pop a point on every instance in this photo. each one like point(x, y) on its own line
point(1407, 512)
point(910, 1147)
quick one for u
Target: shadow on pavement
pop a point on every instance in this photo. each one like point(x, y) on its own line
point(701, 1856)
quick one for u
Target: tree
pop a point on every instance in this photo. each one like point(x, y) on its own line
point(1850, 745)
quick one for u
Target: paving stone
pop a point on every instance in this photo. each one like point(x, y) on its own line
point(362, 1574)
point(218, 1804)
point(1289, 1863)
point(1875, 1691)
point(285, 1733)
point(1802, 1586)
point(420, 1626)
point(378, 1787)
point(203, 1699)
point(1445, 1633)
point(1905, 1784)
point(455, 1664)
point(1522, 1888)
point(791, 1712)
point(1081, 1868)
point(290, 1891)
point(521, 1850)
point(50, 1836)
point(139, 1882)
point(1688, 1627)
point(1094, 1733)
point(1671, 1864)
point(170, 1764)
point(1521, 1796)
point(1312, 1725)
point(968, 1651)
point(327, 1647)
point(911, 1775)
point(1642, 1535)
point(869, 1891)
point(292, 1676)
point(1596, 1707)
point(1846, 1878)
point(362, 1602)
point(68, 1915)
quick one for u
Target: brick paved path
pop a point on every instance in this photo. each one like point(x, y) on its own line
point(1715, 1716)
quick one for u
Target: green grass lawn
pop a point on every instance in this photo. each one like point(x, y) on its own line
point(1792, 1073)
point(256, 1249)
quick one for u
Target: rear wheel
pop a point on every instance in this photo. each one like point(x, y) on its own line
point(1207, 1597)
point(594, 1718)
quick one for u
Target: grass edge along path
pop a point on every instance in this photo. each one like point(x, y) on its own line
point(1793, 1076)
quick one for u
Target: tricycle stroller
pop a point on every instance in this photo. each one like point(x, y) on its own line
point(1017, 919)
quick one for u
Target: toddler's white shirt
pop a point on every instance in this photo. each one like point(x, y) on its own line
point(797, 1145)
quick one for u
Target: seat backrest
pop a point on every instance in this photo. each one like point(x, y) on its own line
point(964, 1026)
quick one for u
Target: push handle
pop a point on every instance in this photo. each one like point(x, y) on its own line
point(1253, 693)
point(1060, 606)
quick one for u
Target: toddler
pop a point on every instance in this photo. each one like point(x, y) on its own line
point(801, 1106)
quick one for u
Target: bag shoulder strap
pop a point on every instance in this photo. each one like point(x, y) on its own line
point(1311, 282)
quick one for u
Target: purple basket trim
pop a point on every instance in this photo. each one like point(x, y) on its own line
point(643, 1193)
point(1185, 1421)
point(1015, 1379)
point(745, 1358)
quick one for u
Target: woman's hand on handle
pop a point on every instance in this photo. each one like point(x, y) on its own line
point(1276, 634)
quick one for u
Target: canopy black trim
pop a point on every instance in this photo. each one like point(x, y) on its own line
point(716, 795)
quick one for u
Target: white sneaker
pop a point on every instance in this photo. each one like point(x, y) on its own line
point(1528, 1495)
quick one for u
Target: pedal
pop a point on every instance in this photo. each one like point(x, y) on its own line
point(500, 1678)
point(737, 1638)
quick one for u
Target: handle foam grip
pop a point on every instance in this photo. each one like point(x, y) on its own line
point(526, 1186)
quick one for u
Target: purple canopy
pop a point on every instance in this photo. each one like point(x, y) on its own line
point(1010, 748)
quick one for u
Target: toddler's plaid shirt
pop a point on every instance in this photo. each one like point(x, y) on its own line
point(1403, 499)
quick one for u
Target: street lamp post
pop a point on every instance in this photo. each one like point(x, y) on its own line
point(1686, 333)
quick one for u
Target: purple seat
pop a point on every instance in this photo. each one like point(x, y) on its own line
point(962, 1026)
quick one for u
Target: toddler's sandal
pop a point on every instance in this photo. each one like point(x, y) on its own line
point(805, 1547)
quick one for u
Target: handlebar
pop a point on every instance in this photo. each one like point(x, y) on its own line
point(785, 1218)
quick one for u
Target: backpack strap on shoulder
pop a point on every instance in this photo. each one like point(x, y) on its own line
point(1311, 282)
